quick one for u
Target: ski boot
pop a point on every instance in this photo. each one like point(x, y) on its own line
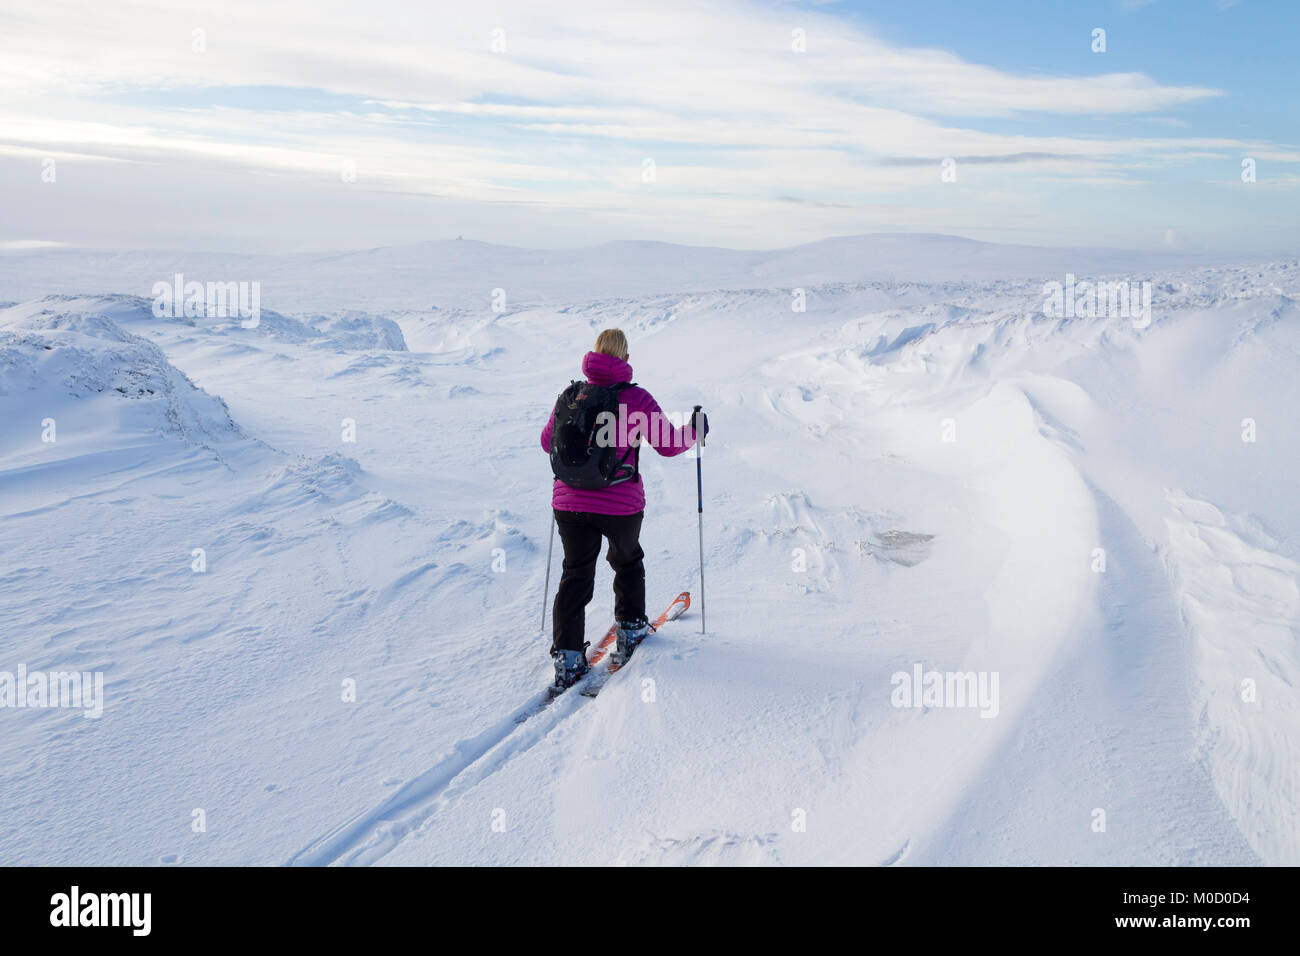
point(570, 667)
point(630, 634)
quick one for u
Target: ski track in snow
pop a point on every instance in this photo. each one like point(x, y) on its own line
point(847, 539)
point(372, 834)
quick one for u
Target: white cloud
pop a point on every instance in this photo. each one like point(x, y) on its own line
point(583, 92)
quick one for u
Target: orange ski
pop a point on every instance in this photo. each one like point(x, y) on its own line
point(589, 685)
point(675, 610)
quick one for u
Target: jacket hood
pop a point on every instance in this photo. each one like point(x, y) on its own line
point(602, 369)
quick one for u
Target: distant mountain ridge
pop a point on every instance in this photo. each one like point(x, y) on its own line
point(460, 273)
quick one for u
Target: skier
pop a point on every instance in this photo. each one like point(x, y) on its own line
point(598, 494)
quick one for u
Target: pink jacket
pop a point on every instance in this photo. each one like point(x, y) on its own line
point(629, 497)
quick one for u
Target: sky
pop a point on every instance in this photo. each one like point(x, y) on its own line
point(250, 126)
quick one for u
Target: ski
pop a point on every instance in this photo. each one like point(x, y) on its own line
point(593, 682)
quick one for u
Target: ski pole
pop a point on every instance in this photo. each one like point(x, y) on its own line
point(546, 589)
point(699, 506)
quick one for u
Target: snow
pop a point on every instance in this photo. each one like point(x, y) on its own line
point(918, 471)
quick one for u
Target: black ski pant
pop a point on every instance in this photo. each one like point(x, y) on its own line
point(581, 533)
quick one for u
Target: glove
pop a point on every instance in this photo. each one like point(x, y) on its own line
point(701, 423)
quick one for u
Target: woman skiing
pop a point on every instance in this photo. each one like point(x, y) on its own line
point(598, 494)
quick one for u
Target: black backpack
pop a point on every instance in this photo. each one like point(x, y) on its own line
point(577, 458)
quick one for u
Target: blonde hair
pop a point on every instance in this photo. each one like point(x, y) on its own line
point(612, 342)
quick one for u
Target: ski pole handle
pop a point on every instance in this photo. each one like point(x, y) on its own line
point(699, 479)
